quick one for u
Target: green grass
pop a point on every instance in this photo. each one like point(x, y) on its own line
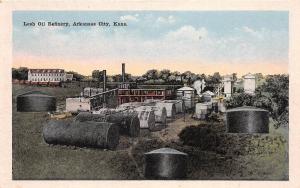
point(34, 159)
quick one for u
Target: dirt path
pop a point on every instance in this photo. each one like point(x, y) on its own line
point(175, 127)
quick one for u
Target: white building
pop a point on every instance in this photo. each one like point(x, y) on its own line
point(228, 85)
point(249, 83)
point(48, 75)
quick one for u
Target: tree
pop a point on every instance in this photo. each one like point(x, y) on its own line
point(15, 73)
point(118, 78)
point(172, 79)
point(164, 74)
point(259, 76)
point(188, 77)
point(203, 76)
point(76, 75)
point(276, 88)
point(151, 74)
point(20, 73)
point(216, 78)
point(239, 99)
point(234, 77)
point(96, 74)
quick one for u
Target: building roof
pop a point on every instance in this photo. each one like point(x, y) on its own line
point(46, 70)
point(185, 88)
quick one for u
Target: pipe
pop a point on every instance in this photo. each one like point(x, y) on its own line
point(104, 80)
point(123, 72)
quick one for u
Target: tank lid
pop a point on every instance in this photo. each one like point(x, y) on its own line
point(166, 151)
point(246, 108)
point(35, 94)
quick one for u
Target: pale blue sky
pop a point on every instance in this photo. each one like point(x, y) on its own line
point(208, 35)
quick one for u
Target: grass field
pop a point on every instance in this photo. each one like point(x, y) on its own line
point(34, 159)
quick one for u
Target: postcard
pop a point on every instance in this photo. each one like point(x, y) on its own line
point(149, 92)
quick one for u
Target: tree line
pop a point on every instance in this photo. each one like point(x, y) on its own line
point(164, 76)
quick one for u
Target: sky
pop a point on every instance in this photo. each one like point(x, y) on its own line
point(197, 41)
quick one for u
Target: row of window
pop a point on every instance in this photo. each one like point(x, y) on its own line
point(140, 92)
point(47, 74)
point(46, 79)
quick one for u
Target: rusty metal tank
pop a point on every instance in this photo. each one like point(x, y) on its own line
point(247, 119)
point(165, 163)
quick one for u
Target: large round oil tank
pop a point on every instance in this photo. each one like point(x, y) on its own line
point(36, 101)
point(247, 120)
point(165, 163)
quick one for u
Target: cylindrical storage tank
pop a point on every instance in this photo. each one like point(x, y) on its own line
point(160, 113)
point(128, 123)
point(146, 117)
point(247, 120)
point(201, 110)
point(179, 105)
point(170, 107)
point(36, 101)
point(165, 163)
point(82, 134)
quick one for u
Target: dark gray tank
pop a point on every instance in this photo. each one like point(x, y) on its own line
point(83, 134)
point(36, 101)
point(247, 120)
point(165, 163)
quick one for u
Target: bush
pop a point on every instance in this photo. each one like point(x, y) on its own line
point(202, 137)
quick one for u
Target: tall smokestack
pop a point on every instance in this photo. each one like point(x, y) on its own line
point(104, 80)
point(123, 72)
